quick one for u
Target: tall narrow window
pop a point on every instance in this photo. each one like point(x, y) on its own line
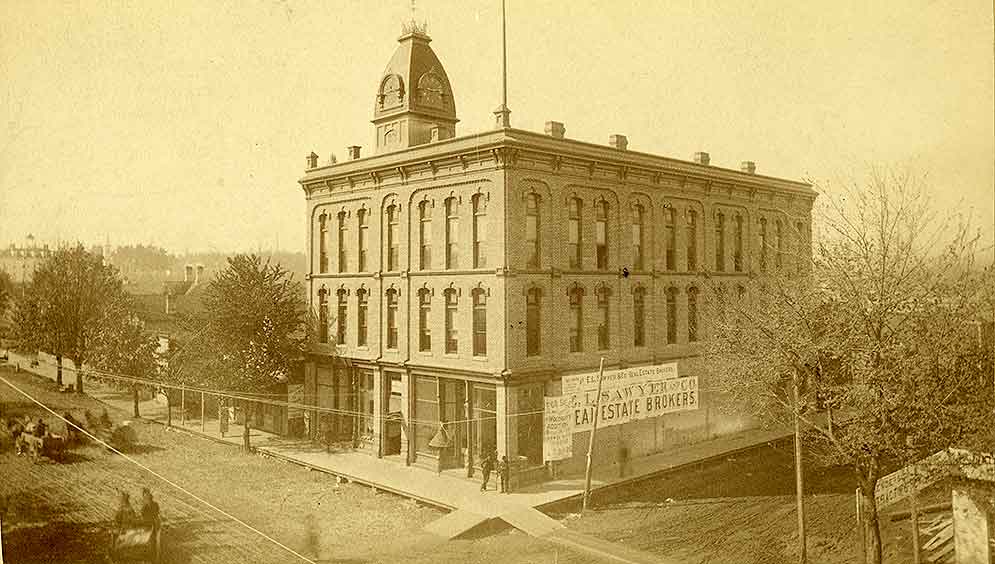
point(424, 311)
point(778, 244)
point(479, 230)
point(671, 316)
point(692, 236)
point(362, 307)
point(322, 316)
point(737, 258)
point(391, 319)
point(576, 320)
point(638, 261)
point(604, 318)
point(323, 243)
point(452, 233)
point(533, 258)
point(692, 314)
point(601, 235)
point(393, 242)
point(720, 242)
point(479, 322)
point(574, 248)
point(425, 235)
point(364, 225)
point(670, 236)
point(343, 234)
point(533, 327)
point(452, 343)
point(341, 318)
point(763, 244)
point(639, 317)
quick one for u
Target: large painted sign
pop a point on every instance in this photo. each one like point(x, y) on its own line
point(631, 394)
point(945, 463)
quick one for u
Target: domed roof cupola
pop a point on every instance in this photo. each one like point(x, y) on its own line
point(414, 103)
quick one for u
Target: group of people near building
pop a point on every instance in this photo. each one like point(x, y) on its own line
point(489, 464)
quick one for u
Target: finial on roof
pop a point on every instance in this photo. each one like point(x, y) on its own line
point(413, 26)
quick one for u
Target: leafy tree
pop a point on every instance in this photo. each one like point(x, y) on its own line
point(6, 297)
point(65, 306)
point(257, 326)
point(875, 328)
point(123, 346)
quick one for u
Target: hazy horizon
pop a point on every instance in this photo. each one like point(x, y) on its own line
point(185, 126)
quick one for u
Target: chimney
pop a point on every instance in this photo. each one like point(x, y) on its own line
point(353, 152)
point(749, 167)
point(187, 272)
point(555, 129)
point(701, 158)
point(312, 160)
point(200, 272)
point(620, 142)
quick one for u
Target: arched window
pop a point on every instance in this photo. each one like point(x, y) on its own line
point(479, 322)
point(576, 319)
point(533, 322)
point(692, 240)
point(692, 314)
point(362, 306)
point(323, 243)
point(574, 238)
point(479, 230)
point(671, 316)
point(737, 259)
point(763, 244)
point(639, 317)
point(638, 261)
point(532, 253)
point(601, 235)
point(363, 216)
point(452, 233)
point(670, 238)
point(720, 242)
point(425, 235)
point(604, 318)
point(424, 312)
point(391, 318)
point(452, 342)
point(393, 240)
point(341, 317)
point(343, 234)
point(322, 316)
point(778, 244)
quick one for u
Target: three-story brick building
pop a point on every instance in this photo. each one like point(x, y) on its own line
point(457, 279)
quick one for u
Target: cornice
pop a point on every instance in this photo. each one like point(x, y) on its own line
point(519, 149)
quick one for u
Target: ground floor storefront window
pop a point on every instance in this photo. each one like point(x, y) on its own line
point(484, 423)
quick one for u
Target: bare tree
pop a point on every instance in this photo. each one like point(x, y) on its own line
point(875, 329)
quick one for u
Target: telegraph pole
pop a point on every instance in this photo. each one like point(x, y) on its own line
point(594, 431)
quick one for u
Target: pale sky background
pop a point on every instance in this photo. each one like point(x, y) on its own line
point(185, 123)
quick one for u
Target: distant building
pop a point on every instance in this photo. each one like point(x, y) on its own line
point(458, 280)
point(20, 262)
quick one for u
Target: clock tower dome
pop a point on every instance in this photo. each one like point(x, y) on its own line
point(414, 103)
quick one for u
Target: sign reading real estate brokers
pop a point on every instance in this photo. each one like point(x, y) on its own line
point(627, 395)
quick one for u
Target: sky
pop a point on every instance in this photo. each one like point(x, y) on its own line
point(185, 123)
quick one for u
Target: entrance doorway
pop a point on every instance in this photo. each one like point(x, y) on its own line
point(393, 420)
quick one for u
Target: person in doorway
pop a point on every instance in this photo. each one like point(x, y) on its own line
point(504, 471)
point(486, 466)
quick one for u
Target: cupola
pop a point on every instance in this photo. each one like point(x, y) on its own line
point(414, 103)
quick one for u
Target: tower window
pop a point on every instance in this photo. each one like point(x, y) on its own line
point(452, 233)
point(532, 249)
point(574, 248)
point(479, 230)
point(601, 235)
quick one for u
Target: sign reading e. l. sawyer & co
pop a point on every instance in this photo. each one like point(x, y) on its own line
point(629, 394)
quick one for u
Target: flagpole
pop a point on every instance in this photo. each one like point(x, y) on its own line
point(502, 115)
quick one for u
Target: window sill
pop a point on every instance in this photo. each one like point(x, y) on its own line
point(363, 348)
point(479, 358)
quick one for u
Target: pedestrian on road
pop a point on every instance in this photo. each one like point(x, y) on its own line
point(125, 515)
point(486, 466)
point(503, 469)
point(150, 510)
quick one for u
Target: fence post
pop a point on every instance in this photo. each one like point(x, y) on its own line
point(183, 406)
point(202, 412)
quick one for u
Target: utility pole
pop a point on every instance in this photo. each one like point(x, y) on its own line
point(799, 485)
point(594, 431)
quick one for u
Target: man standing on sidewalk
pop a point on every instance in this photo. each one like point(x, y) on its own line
point(504, 470)
point(486, 466)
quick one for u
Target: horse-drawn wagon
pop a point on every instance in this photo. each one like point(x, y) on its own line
point(50, 446)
